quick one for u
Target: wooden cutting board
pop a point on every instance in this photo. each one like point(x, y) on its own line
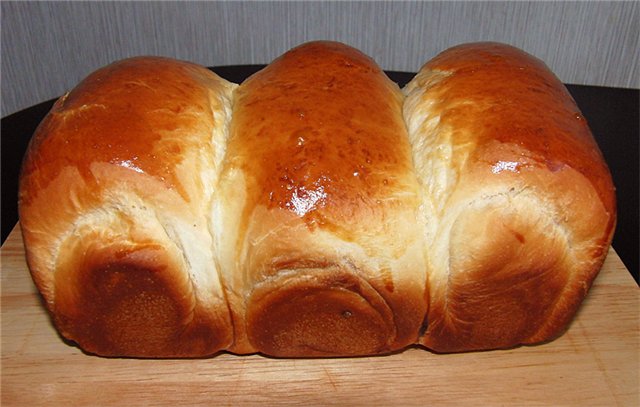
point(596, 362)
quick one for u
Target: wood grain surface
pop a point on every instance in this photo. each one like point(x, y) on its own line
point(595, 362)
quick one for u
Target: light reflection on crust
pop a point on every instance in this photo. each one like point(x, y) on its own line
point(505, 166)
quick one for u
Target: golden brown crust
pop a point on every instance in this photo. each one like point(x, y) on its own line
point(325, 119)
point(116, 187)
point(323, 312)
point(524, 203)
point(135, 102)
point(512, 97)
point(319, 145)
point(129, 305)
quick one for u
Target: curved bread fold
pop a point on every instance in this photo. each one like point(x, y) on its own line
point(518, 199)
point(324, 254)
point(115, 200)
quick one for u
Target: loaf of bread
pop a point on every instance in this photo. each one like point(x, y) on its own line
point(316, 209)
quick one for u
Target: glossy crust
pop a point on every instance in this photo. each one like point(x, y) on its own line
point(316, 209)
point(115, 200)
point(519, 202)
point(323, 251)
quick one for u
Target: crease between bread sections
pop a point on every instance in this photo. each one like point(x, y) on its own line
point(316, 209)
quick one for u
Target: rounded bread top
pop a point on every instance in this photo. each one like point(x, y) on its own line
point(139, 113)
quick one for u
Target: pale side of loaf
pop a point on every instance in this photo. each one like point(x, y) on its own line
point(519, 203)
point(315, 209)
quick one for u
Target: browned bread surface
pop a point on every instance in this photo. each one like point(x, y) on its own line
point(315, 209)
point(523, 206)
point(114, 205)
point(329, 251)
